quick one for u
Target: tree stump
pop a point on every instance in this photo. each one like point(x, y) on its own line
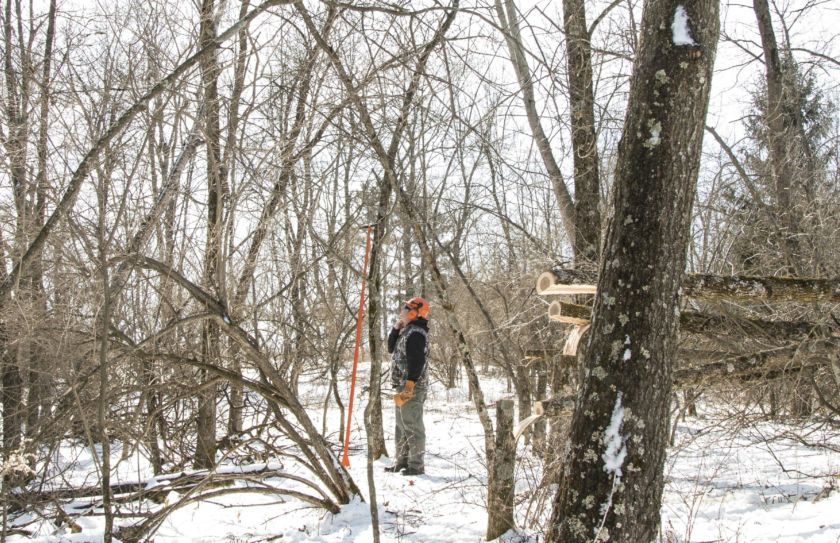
point(500, 486)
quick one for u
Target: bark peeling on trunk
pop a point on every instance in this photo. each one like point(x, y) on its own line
point(611, 485)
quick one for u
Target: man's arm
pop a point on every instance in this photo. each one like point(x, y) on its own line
point(415, 351)
point(392, 339)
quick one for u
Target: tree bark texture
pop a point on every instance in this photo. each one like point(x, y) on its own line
point(612, 481)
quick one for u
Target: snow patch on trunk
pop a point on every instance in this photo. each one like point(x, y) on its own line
point(616, 450)
point(613, 457)
point(680, 34)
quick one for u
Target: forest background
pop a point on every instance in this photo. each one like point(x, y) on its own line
point(184, 191)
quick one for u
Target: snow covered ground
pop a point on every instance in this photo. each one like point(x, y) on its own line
point(752, 484)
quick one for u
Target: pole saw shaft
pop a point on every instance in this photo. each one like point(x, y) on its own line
point(345, 460)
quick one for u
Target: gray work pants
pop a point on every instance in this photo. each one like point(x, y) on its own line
point(411, 433)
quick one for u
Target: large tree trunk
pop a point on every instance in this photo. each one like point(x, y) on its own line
point(612, 482)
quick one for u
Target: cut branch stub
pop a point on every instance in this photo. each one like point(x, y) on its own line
point(549, 284)
point(569, 313)
point(572, 342)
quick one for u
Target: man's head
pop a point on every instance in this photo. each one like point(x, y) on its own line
point(415, 307)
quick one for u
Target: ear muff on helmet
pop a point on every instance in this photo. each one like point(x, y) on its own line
point(417, 307)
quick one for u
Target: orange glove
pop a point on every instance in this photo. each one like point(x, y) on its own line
point(407, 393)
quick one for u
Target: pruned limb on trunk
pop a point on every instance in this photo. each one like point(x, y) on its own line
point(712, 325)
point(708, 287)
point(569, 313)
point(572, 342)
point(559, 280)
point(549, 407)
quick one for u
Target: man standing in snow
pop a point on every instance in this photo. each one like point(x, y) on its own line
point(408, 343)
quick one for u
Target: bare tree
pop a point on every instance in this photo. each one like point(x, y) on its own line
point(26, 91)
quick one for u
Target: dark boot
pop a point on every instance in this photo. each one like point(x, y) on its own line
point(413, 471)
point(396, 467)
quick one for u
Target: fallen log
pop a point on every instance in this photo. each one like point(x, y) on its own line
point(562, 281)
point(766, 289)
point(771, 363)
point(712, 325)
point(158, 488)
point(743, 372)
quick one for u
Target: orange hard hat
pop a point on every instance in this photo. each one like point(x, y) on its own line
point(417, 307)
